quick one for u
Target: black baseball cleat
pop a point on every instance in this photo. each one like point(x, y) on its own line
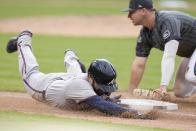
point(12, 43)
point(82, 66)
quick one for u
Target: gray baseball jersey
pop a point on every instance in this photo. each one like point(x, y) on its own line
point(169, 25)
point(57, 89)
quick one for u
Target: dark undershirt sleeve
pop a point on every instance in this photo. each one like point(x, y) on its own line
point(143, 48)
point(104, 106)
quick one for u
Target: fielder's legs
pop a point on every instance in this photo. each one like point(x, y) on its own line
point(191, 74)
point(183, 87)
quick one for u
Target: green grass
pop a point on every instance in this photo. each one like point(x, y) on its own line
point(10, 121)
point(191, 10)
point(49, 51)
point(27, 8)
point(23, 8)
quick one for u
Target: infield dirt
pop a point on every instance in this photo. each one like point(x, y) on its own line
point(183, 119)
point(88, 26)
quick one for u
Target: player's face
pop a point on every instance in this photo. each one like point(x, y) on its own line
point(136, 16)
point(95, 86)
point(90, 80)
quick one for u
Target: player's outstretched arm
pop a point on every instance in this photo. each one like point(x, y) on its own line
point(104, 106)
point(137, 71)
point(108, 107)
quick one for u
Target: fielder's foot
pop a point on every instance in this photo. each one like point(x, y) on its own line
point(12, 43)
point(82, 66)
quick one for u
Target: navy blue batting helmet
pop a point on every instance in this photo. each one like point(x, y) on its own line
point(103, 72)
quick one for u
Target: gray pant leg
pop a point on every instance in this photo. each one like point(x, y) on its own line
point(29, 69)
point(71, 63)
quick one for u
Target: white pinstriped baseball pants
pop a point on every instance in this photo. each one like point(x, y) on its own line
point(35, 81)
point(185, 83)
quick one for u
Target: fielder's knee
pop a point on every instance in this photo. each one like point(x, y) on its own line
point(190, 76)
point(178, 93)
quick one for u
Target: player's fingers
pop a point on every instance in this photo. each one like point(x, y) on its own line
point(152, 115)
point(157, 95)
point(166, 97)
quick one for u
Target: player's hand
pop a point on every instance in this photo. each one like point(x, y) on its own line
point(131, 113)
point(151, 115)
point(134, 114)
point(159, 93)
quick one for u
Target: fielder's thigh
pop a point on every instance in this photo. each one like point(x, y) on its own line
point(190, 74)
point(182, 87)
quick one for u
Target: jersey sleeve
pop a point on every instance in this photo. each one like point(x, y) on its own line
point(143, 48)
point(104, 106)
point(79, 90)
point(170, 29)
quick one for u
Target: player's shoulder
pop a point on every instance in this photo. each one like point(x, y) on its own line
point(164, 15)
point(167, 14)
point(80, 83)
point(79, 88)
point(164, 18)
